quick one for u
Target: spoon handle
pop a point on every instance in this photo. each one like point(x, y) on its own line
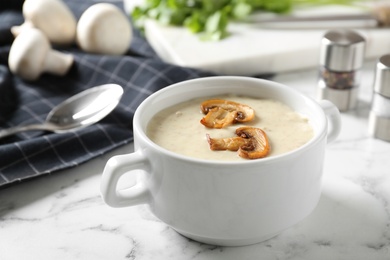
point(18, 129)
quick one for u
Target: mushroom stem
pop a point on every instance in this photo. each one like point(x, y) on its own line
point(17, 29)
point(231, 144)
point(57, 62)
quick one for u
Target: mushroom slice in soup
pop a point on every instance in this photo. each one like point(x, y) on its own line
point(221, 113)
point(251, 143)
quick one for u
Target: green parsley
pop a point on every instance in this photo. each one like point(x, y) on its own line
point(210, 18)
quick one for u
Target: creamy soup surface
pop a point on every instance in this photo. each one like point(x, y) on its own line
point(179, 130)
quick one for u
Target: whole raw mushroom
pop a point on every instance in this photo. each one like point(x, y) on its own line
point(104, 29)
point(31, 55)
point(52, 17)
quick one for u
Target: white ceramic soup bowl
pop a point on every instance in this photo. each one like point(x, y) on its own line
point(218, 202)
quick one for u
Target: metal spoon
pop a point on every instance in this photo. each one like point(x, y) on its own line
point(80, 110)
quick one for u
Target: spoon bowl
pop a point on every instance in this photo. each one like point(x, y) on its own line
point(83, 109)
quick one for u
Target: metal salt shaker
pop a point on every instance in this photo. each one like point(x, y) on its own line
point(341, 57)
point(379, 118)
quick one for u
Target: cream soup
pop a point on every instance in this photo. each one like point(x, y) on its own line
point(179, 130)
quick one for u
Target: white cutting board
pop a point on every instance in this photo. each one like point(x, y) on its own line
point(251, 50)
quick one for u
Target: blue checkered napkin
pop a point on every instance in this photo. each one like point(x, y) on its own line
point(31, 154)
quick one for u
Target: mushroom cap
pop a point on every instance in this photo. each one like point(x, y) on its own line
point(27, 54)
point(53, 18)
point(103, 28)
point(258, 147)
point(382, 14)
point(250, 143)
point(221, 113)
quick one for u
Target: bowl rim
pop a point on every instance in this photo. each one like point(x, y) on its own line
point(318, 137)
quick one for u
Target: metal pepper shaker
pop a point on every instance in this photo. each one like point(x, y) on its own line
point(341, 58)
point(379, 118)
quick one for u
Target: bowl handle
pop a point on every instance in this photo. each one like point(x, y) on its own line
point(115, 168)
point(334, 119)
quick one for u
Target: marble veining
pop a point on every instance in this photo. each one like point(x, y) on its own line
point(62, 216)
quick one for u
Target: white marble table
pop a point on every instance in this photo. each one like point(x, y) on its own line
point(62, 216)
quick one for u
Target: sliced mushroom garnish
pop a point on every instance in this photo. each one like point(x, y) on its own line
point(251, 143)
point(221, 113)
